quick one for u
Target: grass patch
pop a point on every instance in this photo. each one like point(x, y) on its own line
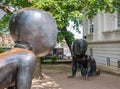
point(61, 67)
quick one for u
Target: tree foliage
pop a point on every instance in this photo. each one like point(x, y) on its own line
point(92, 7)
point(63, 11)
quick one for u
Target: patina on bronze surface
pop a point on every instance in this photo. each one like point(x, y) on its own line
point(81, 59)
point(34, 32)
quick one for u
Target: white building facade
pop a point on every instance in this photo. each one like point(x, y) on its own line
point(103, 36)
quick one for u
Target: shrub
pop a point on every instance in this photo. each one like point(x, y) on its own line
point(42, 59)
point(2, 50)
point(53, 58)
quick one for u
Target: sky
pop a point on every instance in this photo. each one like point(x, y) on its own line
point(2, 13)
point(76, 34)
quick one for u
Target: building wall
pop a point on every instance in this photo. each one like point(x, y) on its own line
point(104, 41)
point(105, 24)
point(105, 52)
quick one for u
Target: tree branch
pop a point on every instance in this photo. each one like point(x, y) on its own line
point(4, 8)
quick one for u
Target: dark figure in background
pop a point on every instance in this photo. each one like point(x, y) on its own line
point(86, 63)
point(34, 32)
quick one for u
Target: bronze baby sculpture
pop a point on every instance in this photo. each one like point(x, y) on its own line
point(34, 33)
point(86, 63)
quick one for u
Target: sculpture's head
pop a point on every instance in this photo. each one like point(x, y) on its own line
point(34, 28)
point(79, 47)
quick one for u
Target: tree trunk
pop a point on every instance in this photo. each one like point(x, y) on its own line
point(38, 69)
point(67, 39)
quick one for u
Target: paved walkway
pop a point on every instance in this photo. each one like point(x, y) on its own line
point(104, 81)
point(57, 79)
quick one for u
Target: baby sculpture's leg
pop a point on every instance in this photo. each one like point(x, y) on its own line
point(8, 70)
point(25, 72)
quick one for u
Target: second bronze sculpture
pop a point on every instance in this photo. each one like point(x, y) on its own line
point(81, 60)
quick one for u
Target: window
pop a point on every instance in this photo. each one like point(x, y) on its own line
point(91, 26)
point(118, 20)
